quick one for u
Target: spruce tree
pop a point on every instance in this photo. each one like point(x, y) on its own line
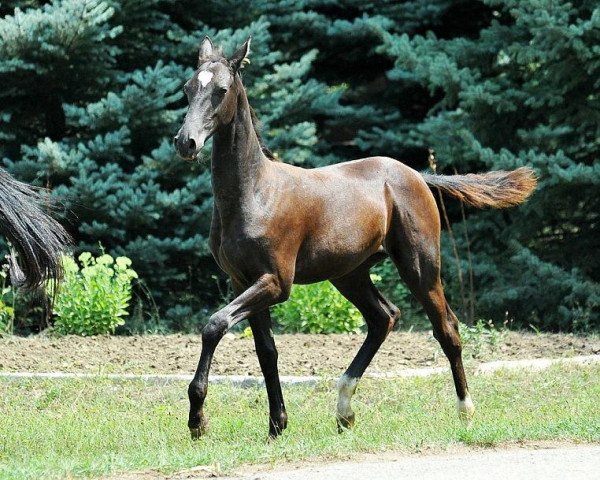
point(521, 90)
point(91, 97)
point(487, 85)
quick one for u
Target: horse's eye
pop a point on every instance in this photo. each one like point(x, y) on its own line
point(218, 95)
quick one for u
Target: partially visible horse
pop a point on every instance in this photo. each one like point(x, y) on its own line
point(275, 224)
point(37, 237)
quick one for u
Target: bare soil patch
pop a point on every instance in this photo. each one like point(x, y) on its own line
point(298, 354)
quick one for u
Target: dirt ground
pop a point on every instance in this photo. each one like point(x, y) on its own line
point(298, 354)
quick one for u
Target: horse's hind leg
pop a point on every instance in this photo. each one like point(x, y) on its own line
point(417, 257)
point(380, 315)
point(445, 330)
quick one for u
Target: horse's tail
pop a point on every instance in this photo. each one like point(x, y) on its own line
point(38, 238)
point(499, 189)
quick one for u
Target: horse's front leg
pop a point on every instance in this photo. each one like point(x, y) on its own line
point(267, 357)
point(264, 293)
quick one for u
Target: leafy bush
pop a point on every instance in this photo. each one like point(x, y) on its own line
point(480, 337)
point(93, 299)
point(317, 308)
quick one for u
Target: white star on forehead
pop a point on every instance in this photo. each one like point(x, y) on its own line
point(204, 77)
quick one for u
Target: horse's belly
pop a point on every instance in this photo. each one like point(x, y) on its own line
point(326, 269)
point(342, 239)
point(318, 261)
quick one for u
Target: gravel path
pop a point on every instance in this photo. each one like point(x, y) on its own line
point(566, 462)
point(531, 461)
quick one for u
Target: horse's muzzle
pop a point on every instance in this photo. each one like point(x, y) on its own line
point(186, 148)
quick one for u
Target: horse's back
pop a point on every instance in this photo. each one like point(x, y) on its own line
point(343, 211)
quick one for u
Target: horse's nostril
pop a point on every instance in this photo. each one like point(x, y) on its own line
point(191, 145)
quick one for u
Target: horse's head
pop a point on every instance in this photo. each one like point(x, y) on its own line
point(212, 97)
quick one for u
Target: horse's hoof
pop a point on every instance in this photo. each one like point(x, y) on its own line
point(200, 430)
point(345, 423)
point(277, 427)
point(273, 434)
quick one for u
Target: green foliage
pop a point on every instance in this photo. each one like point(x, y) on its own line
point(572, 298)
point(7, 304)
point(489, 85)
point(93, 298)
point(7, 318)
point(317, 308)
point(483, 335)
point(514, 85)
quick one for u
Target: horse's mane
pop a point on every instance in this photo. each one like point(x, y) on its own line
point(256, 124)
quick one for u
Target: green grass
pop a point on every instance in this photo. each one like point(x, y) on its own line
point(51, 429)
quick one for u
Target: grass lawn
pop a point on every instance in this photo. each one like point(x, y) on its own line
point(57, 428)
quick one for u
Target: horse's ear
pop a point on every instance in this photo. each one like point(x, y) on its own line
point(240, 57)
point(206, 50)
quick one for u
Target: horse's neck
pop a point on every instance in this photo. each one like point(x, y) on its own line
point(237, 159)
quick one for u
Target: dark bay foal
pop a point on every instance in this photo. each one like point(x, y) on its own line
point(275, 224)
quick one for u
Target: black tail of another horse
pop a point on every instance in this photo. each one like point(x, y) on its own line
point(38, 238)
